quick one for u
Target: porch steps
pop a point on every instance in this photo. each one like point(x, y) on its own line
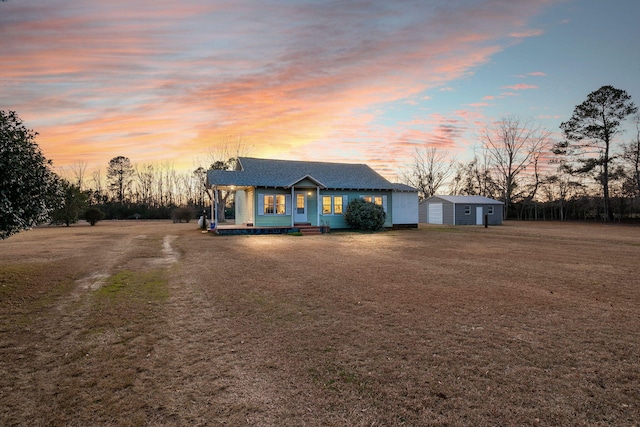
point(309, 230)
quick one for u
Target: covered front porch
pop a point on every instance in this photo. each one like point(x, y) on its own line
point(290, 207)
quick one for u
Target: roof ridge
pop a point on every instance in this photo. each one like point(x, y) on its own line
point(304, 161)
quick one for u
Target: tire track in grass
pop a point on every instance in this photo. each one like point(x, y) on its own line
point(96, 355)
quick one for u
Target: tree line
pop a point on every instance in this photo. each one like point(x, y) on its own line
point(154, 191)
point(147, 191)
point(590, 174)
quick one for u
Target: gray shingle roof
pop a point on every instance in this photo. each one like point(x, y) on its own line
point(284, 173)
point(472, 200)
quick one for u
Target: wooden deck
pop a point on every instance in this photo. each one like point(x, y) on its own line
point(243, 229)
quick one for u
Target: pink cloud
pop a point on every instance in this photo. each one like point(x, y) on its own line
point(526, 33)
point(520, 86)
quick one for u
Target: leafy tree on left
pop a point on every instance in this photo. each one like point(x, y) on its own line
point(28, 187)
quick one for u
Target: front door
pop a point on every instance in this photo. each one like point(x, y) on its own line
point(479, 218)
point(300, 213)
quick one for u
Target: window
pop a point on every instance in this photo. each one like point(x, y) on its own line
point(326, 205)
point(467, 210)
point(281, 206)
point(274, 204)
point(337, 205)
point(377, 200)
point(333, 205)
point(490, 210)
point(268, 205)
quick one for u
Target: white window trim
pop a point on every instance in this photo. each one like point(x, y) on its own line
point(345, 202)
point(330, 205)
point(287, 204)
point(333, 204)
point(373, 200)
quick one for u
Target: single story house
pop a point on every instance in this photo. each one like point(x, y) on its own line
point(283, 193)
point(460, 210)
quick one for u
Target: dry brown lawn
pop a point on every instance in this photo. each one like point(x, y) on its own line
point(155, 323)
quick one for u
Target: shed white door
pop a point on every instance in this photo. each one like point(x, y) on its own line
point(479, 216)
point(434, 213)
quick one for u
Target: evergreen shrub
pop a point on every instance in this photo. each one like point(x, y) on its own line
point(93, 215)
point(363, 215)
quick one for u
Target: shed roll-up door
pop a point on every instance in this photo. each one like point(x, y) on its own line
point(435, 213)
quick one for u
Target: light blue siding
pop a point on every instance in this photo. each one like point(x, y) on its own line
point(272, 220)
point(337, 221)
point(314, 205)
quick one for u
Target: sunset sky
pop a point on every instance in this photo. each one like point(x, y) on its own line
point(348, 81)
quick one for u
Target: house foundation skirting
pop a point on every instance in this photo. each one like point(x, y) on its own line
point(245, 229)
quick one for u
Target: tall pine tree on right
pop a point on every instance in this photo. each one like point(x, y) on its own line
point(589, 135)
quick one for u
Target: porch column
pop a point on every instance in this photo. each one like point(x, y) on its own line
point(215, 206)
point(293, 206)
point(318, 205)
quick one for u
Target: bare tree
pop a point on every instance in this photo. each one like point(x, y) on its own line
point(145, 180)
point(79, 171)
point(98, 194)
point(473, 178)
point(200, 175)
point(168, 176)
point(560, 188)
point(225, 157)
point(429, 172)
point(513, 146)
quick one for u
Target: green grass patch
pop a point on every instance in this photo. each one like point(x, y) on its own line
point(129, 298)
point(150, 286)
